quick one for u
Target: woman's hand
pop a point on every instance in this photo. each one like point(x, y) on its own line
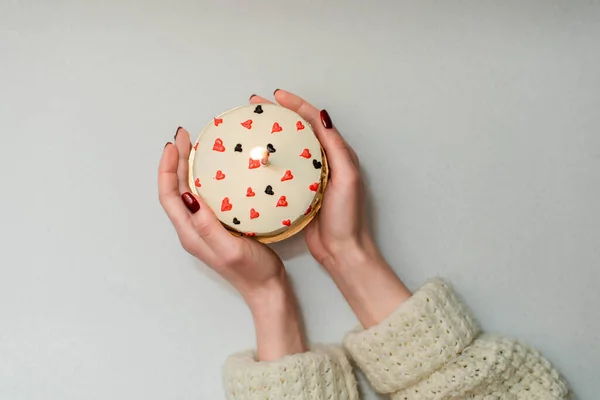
point(339, 236)
point(252, 268)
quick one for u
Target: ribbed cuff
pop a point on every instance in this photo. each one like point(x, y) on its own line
point(323, 373)
point(425, 332)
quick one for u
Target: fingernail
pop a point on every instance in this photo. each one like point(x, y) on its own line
point(190, 202)
point(326, 119)
point(176, 132)
point(275, 91)
point(168, 143)
point(251, 96)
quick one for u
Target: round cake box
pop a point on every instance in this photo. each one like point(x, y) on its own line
point(261, 169)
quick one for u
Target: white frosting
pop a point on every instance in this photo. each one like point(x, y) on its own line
point(226, 131)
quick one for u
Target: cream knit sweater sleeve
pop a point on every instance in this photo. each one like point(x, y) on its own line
point(429, 348)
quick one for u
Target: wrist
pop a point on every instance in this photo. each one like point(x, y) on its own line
point(261, 297)
point(277, 321)
point(355, 254)
point(369, 284)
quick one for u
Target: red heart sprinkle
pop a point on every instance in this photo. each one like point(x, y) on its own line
point(287, 176)
point(197, 182)
point(218, 146)
point(250, 234)
point(254, 213)
point(218, 121)
point(286, 222)
point(220, 175)
point(306, 153)
point(282, 202)
point(249, 192)
point(276, 128)
point(314, 187)
point(299, 126)
point(196, 146)
point(308, 210)
point(253, 164)
point(247, 124)
point(226, 205)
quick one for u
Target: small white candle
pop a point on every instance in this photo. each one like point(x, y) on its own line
point(260, 153)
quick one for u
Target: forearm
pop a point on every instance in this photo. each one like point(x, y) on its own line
point(277, 321)
point(370, 286)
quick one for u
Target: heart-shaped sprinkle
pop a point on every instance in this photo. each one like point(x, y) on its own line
point(250, 234)
point(308, 210)
point(286, 222)
point(249, 192)
point(287, 176)
point(218, 146)
point(196, 146)
point(282, 202)
point(220, 175)
point(269, 190)
point(306, 153)
point(236, 221)
point(247, 124)
point(258, 109)
point(226, 205)
point(270, 148)
point(276, 128)
point(254, 213)
point(317, 164)
point(238, 147)
point(314, 187)
point(197, 182)
point(252, 163)
point(218, 121)
point(299, 126)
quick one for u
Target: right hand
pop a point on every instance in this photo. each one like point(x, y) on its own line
point(339, 237)
point(341, 223)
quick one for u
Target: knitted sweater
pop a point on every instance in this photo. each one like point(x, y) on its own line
point(429, 348)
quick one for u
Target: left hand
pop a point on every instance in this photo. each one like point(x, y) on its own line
point(251, 267)
point(245, 263)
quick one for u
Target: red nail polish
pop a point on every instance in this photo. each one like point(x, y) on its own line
point(251, 96)
point(168, 143)
point(326, 119)
point(176, 132)
point(275, 91)
point(190, 202)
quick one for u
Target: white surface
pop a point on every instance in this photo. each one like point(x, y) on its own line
point(478, 128)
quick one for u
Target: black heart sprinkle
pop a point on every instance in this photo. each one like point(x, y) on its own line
point(236, 221)
point(269, 190)
point(258, 109)
point(270, 148)
point(317, 164)
point(238, 147)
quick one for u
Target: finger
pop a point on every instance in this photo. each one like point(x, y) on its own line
point(353, 156)
point(183, 144)
point(207, 225)
point(336, 148)
point(168, 191)
point(255, 99)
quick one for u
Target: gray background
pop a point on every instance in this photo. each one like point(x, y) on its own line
point(476, 122)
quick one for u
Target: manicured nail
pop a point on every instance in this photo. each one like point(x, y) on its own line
point(190, 202)
point(326, 119)
point(176, 132)
point(168, 143)
point(275, 91)
point(251, 96)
